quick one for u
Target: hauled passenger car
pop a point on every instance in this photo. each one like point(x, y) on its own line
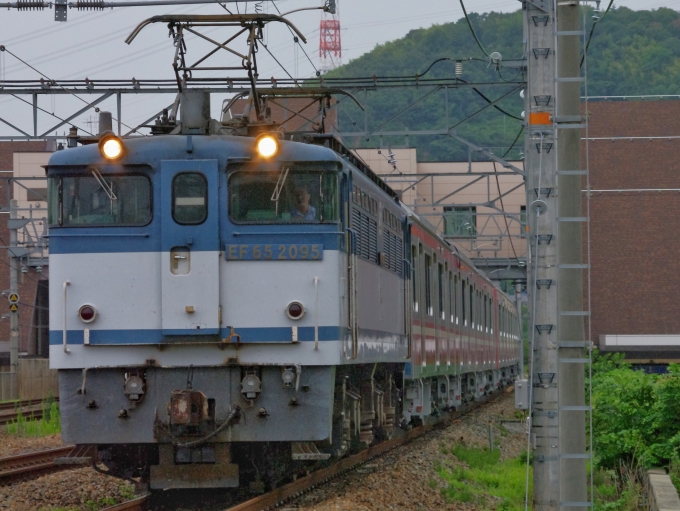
point(226, 309)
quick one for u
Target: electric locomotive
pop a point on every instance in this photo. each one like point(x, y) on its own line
point(227, 307)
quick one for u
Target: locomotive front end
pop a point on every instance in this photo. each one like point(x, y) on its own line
point(197, 315)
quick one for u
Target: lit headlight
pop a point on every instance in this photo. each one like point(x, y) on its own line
point(267, 146)
point(111, 147)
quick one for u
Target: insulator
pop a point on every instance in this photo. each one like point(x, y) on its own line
point(30, 5)
point(89, 5)
point(459, 68)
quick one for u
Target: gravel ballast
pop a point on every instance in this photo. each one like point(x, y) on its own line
point(81, 489)
point(407, 478)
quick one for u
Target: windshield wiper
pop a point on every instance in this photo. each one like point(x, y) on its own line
point(279, 187)
point(105, 186)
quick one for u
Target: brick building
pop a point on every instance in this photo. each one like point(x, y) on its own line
point(634, 209)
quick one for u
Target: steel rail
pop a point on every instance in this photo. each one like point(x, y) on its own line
point(296, 488)
point(130, 505)
point(32, 462)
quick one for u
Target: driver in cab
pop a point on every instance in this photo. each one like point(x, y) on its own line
point(303, 211)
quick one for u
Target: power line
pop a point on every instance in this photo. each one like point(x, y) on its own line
point(3, 48)
point(467, 18)
point(295, 39)
point(592, 30)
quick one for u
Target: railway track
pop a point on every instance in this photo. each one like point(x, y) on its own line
point(296, 488)
point(32, 463)
point(130, 505)
point(9, 411)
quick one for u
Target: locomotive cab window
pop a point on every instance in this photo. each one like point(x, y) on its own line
point(189, 198)
point(93, 198)
point(285, 193)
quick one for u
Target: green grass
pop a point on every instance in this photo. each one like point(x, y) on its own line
point(488, 482)
point(126, 493)
point(49, 424)
point(617, 490)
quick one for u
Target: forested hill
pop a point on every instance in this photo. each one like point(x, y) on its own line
point(631, 53)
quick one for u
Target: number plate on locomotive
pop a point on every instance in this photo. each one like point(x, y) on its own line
point(274, 252)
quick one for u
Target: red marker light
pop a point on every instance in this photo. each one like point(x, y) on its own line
point(295, 310)
point(87, 313)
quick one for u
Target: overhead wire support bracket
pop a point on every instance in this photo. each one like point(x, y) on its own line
point(487, 153)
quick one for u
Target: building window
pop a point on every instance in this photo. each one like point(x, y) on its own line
point(460, 221)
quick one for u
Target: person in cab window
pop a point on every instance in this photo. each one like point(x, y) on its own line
point(303, 211)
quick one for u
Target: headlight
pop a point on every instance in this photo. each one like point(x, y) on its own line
point(267, 146)
point(111, 147)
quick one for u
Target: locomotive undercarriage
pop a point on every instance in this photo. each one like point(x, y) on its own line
point(227, 426)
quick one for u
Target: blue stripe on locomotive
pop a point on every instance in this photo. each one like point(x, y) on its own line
point(157, 336)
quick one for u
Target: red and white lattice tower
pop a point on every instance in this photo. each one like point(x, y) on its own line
point(330, 50)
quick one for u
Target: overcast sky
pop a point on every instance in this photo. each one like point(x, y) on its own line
point(92, 45)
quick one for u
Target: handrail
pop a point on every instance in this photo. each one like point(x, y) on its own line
point(316, 313)
point(66, 350)
point(351, 292)
point(408, 306)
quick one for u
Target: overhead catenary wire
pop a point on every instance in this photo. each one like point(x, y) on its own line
point(592, 30)
point(467, 18)
point(297, 41)
point(505, 218)
point(4, 49)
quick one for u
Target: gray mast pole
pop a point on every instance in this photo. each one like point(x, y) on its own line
point(571, 384)
point(542, 284)
point(14, 316)
point(558, 438)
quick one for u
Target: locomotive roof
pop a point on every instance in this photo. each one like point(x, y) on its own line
point(224, 148)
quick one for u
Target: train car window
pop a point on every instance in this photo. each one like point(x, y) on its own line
point(428, 285)
point(462, 304)
point(441, 291)
point(452, 297)
point(472, 307)
point(284, 194)
point(486, 322)
point(101, 199)
point(414, 275)
point(456, 298)
point(189, 198)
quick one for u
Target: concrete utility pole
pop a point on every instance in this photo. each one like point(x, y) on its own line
point(571, 379)
point(555, 286)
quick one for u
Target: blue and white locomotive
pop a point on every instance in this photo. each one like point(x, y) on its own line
point(226, 308)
